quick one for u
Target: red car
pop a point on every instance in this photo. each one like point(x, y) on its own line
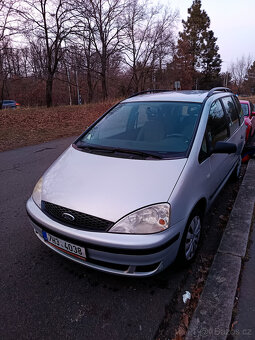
point(249, 117)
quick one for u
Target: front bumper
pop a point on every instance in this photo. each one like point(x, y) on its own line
point(123, 254)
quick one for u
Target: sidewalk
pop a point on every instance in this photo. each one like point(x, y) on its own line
point(213, 315)
point(244, 316)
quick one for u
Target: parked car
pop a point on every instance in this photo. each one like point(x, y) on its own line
point(249, 119)
point(9, 104)
point(129, 195)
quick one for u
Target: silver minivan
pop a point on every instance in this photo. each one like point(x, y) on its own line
point(129, 195)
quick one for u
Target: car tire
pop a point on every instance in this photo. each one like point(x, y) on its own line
point(191, 238)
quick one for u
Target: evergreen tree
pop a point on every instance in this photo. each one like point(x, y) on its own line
point(183, 65)
point(201, 51)
point(211, 62)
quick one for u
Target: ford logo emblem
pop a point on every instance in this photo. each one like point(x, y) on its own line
point(68, 217)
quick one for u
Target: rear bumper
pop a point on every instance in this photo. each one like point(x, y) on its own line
point(130, 255)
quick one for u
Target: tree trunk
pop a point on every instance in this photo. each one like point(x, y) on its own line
point(49, 85)
point(104, 85)
point(90, 86)
point(2, 95)
point(69, 86)
point(135, 80)
point(2, 92)
point(103, 75)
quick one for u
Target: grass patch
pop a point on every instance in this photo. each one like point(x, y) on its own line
point(28, 126)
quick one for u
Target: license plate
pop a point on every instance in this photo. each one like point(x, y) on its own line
point(66, 247)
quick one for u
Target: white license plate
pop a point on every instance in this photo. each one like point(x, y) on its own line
point(66, 247)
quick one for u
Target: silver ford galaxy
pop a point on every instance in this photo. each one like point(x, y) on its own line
point(129, 195)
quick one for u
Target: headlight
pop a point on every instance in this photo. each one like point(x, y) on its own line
point(149, 220)
point(37, 193)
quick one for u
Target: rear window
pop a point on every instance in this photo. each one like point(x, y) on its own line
point(239, 109)
point(245, 109)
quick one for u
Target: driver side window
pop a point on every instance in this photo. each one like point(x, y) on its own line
point(216, 130)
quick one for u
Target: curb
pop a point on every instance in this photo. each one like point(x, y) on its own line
point(213, 314)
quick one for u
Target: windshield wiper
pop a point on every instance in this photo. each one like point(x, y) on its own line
point(107, 149)
point(94, 147)
point(139, 153)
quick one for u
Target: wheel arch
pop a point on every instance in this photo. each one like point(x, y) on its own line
point(201, 205)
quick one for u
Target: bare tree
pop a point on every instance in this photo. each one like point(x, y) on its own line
point(7, 28)
point(7, 21)
point(149, 38)
point(47, 24)
point(84, 45)
point(85, 52)
point(25, 61)
point(239, 71)
point(103, 25)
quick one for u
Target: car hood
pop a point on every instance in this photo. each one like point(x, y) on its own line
point(108, 187)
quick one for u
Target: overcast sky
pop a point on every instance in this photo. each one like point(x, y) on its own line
point(233, 23)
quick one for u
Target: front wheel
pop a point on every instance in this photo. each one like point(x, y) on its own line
point(191, 238)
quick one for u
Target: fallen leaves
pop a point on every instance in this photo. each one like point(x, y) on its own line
point(188, 309)
point(27, 126)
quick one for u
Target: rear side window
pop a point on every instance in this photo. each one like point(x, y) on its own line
point(231, 113)
point(240, 110)
point(217, 127)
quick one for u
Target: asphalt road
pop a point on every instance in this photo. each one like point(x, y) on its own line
point(45, 296)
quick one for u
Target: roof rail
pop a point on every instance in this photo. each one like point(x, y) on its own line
point(148, 91)
point(215, 89)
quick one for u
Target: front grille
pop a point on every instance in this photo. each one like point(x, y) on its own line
point(81, 220)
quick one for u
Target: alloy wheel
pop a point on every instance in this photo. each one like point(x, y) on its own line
point(192, 237)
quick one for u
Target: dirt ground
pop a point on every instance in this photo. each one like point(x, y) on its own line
point(28, 126)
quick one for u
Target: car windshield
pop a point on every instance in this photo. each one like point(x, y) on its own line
point(144, 129)
point(245, 109)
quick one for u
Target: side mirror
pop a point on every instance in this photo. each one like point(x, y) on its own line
point(224, 147)
point(253, 114)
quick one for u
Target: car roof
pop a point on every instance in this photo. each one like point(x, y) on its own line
point(194, 96)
